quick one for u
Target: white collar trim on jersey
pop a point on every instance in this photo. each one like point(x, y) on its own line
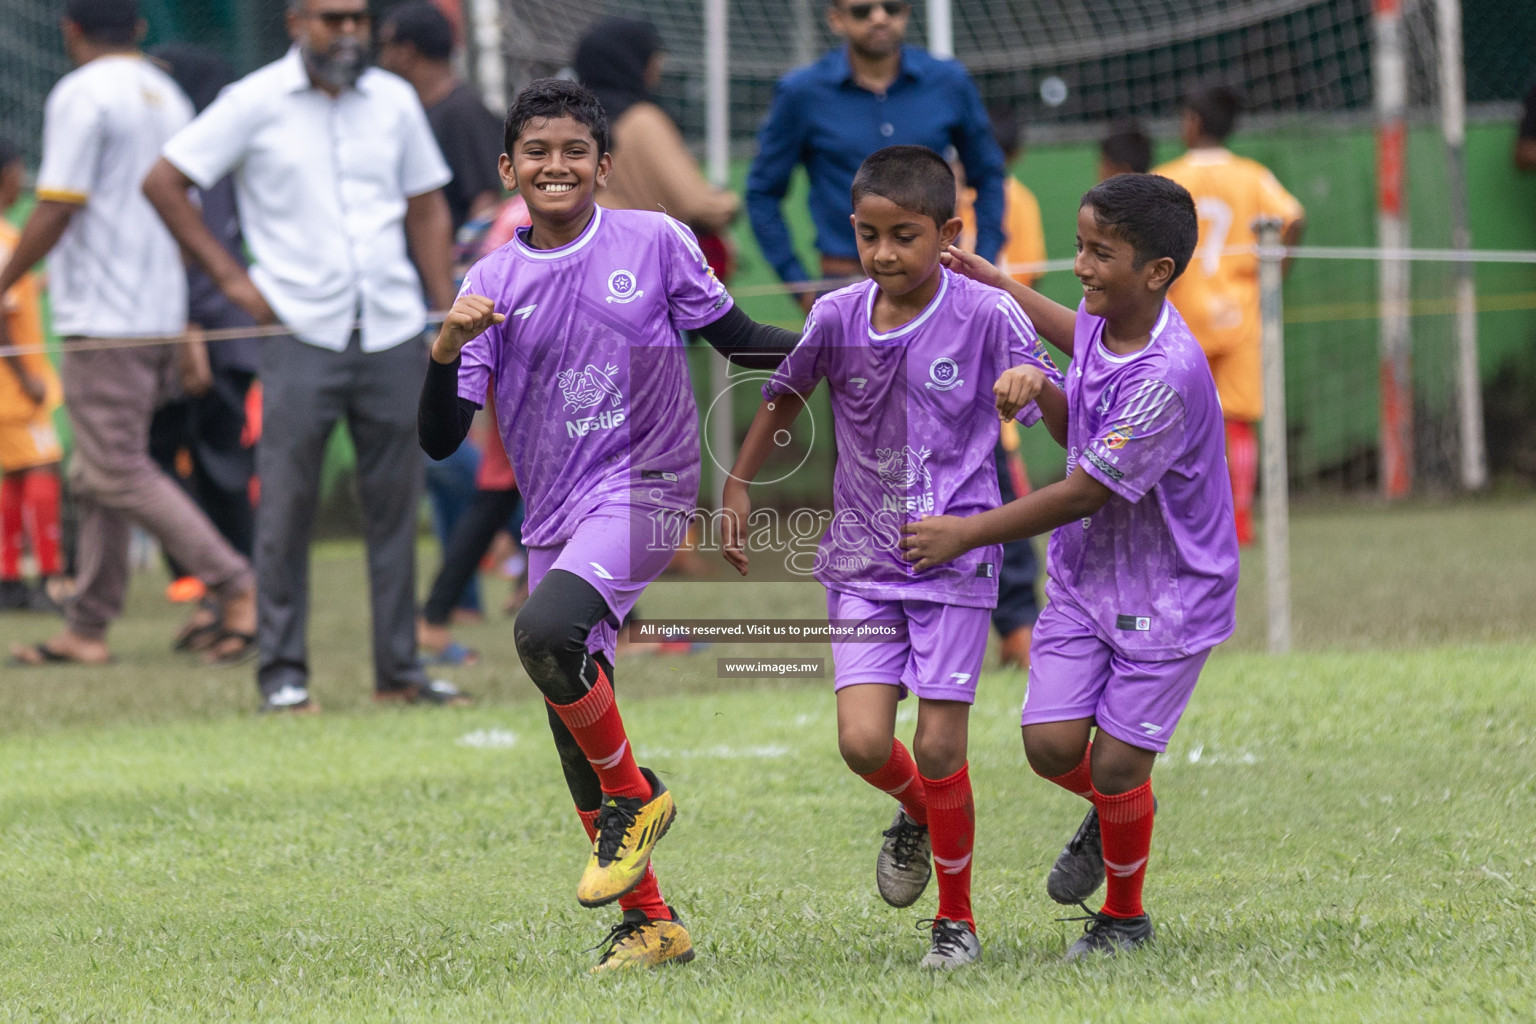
point(569, 248)
point(1162, 321)
point(911, 325)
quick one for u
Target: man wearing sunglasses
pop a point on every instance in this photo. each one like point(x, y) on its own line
point(871, 93)
point(339, 183)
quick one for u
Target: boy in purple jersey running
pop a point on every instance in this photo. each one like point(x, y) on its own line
point(912, 357)
point(577, 321)
point(1142, 577)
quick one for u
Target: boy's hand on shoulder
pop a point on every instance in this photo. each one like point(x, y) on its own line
point(470, 317)
point(736, 508)
point(1016, 388)
point(968, 264)
point(934, 540)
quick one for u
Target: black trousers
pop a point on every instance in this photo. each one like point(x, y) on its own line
point(467, 544)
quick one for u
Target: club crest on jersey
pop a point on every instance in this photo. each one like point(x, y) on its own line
point(906, 472)
point(1117, 438)
point(623, 287)
point(944, 374)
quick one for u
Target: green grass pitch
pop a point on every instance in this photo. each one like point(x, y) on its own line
point(1345, 833)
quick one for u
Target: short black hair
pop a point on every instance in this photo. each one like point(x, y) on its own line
point(1129, 146)
point(1156, 215)
point(1217, 107)
point(913, 177)
point(9, 152)
point(423, 26)
point(546, 98)
point(115, 22)
point(1007, 129)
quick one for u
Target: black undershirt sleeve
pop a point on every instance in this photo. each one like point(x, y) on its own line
point(748, 343)
point(442, 416)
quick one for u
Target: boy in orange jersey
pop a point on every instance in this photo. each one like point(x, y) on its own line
point(1219, 296)
point(1023, 234)
point(29, 448)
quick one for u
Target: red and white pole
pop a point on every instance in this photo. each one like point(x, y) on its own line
point(1390, 67)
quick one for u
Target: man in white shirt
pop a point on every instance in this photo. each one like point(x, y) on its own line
point(115, 276)
point(337, 174)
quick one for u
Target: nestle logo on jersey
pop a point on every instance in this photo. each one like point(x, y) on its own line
point(603, 421)
point(589, 387)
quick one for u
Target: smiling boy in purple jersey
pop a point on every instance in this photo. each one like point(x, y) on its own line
point(576, 320)
point(1143, 561)
point(912, 357)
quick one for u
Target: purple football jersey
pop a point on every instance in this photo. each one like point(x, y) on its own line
point(915, 424)
point(1155, 569)
point(593, 398)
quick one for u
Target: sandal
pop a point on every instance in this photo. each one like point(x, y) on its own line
point(237, 655)
point(40, 655)
point(197, 633)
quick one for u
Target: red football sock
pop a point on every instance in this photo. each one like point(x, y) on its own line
point(594, 721)
point(1078, 781)
point(899, 778)
point(40, 511)
point(1243, 468)
point(646, 896)
point(952, 831)
point(1125, 822)
point(10, 527)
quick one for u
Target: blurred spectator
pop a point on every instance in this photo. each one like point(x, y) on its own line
point(200, 435)
point(29, 447)
point(495, 502)
point(1525, 141)
point(116, 274)
point(1218, 295)
point(1125, 150)
point(621, 60)
point(830, 115)
point(416, 43)
point(337, 174)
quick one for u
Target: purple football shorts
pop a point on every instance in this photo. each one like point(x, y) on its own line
point(613, 555)
point(1074, 674)
point(936, 654)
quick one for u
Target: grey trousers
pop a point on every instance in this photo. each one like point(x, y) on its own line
point(110, 395)
point(305, 390)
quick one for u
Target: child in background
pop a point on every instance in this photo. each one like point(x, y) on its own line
point(1219, 297)
point(29, 446)
point(1142, 578)
point(1023, 233)
point(1125, 150)
point(910, 357)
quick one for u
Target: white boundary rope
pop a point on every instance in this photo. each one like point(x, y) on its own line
point(1316, 252)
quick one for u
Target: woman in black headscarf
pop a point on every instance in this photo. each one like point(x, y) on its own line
point(620, 60)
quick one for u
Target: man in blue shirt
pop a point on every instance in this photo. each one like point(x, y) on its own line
point(830, 115)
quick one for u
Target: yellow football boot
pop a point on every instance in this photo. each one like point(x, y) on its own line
point(627, 831)
point(641, 942)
